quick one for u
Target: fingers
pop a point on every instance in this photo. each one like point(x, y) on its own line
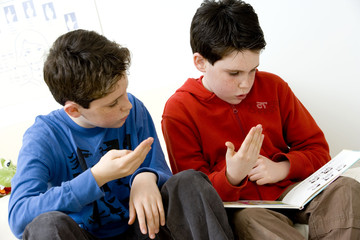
point(150, 218)
point(146, 144)
point(253, 141)
point(132, 213)
point(142, 149)
point(260, 172)
point(255, 176)
point(255, 138)
point(147, 201)
point(161, 213)
point(129, 162)
point(141, 219)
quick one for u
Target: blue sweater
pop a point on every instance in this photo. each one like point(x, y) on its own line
point(50, 177)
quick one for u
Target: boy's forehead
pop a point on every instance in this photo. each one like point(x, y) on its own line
point(119, 89)
point(238, 60)
point(122, 82)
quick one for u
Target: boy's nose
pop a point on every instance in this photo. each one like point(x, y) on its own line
point(126, 107)
point(244, 83)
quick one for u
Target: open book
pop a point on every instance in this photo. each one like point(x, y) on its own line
point(305, 191)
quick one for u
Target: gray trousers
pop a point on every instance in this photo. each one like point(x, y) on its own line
point(333, 214)
point(193, 211)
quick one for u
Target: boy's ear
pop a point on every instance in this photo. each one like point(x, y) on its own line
point(72, 109)
point(199, 62)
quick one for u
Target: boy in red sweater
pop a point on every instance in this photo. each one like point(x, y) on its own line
point(249, 133)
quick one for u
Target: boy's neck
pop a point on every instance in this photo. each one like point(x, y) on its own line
point(81, 121)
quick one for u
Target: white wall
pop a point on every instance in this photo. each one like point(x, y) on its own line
point(313, 45)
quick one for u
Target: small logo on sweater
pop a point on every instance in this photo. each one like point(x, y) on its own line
point(261, 105)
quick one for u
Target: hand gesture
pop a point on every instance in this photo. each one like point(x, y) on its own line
point(267, 171)
point(240, 163)
point(146, 203)
point(120, 163)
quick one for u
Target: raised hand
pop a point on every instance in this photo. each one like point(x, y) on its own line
point(240, 163)
point(120, 163)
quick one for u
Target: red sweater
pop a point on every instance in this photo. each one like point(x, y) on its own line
point(196, 124)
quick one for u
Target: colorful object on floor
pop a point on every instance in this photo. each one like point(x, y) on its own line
point(7, 171)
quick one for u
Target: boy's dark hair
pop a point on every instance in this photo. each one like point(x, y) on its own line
point(218, 28)
point(83, 66)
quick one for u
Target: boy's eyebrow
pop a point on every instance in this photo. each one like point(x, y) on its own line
point(115, 100)
point(236, 70)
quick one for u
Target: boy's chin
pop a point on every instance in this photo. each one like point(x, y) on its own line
point(113, 125)
point(234, 102)
point(118, 125)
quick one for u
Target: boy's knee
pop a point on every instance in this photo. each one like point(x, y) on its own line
point(350, 191)
point(191, 178)
point(345, 181)
point(187, 183)
point(54, 225)
point(350, 182)
point(49, 218)
point(191, 174)
point(346, 187)
point(49, 222)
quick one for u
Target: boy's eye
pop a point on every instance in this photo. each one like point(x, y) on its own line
point(234, 73)
point(113, 104)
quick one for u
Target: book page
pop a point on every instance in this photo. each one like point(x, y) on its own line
point(301, 194)
point(311, 186)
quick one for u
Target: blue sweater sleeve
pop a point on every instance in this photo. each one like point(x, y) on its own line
point(32, 193)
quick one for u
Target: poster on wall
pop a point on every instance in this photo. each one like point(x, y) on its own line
point(27, 30)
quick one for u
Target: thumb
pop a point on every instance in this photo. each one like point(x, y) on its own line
point(230, 149)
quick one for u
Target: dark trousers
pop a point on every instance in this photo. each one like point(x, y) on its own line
point(193, 211)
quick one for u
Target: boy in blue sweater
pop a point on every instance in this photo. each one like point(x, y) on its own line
point(94, 169)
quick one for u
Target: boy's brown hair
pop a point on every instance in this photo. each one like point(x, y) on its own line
point(83, 66)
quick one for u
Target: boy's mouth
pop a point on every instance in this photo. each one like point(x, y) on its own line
point(241, 97)
point(123, 119)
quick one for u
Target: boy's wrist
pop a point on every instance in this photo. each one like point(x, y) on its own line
point(145, 176)
point(98, 178)
point(233, 181)
point(285, 168)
